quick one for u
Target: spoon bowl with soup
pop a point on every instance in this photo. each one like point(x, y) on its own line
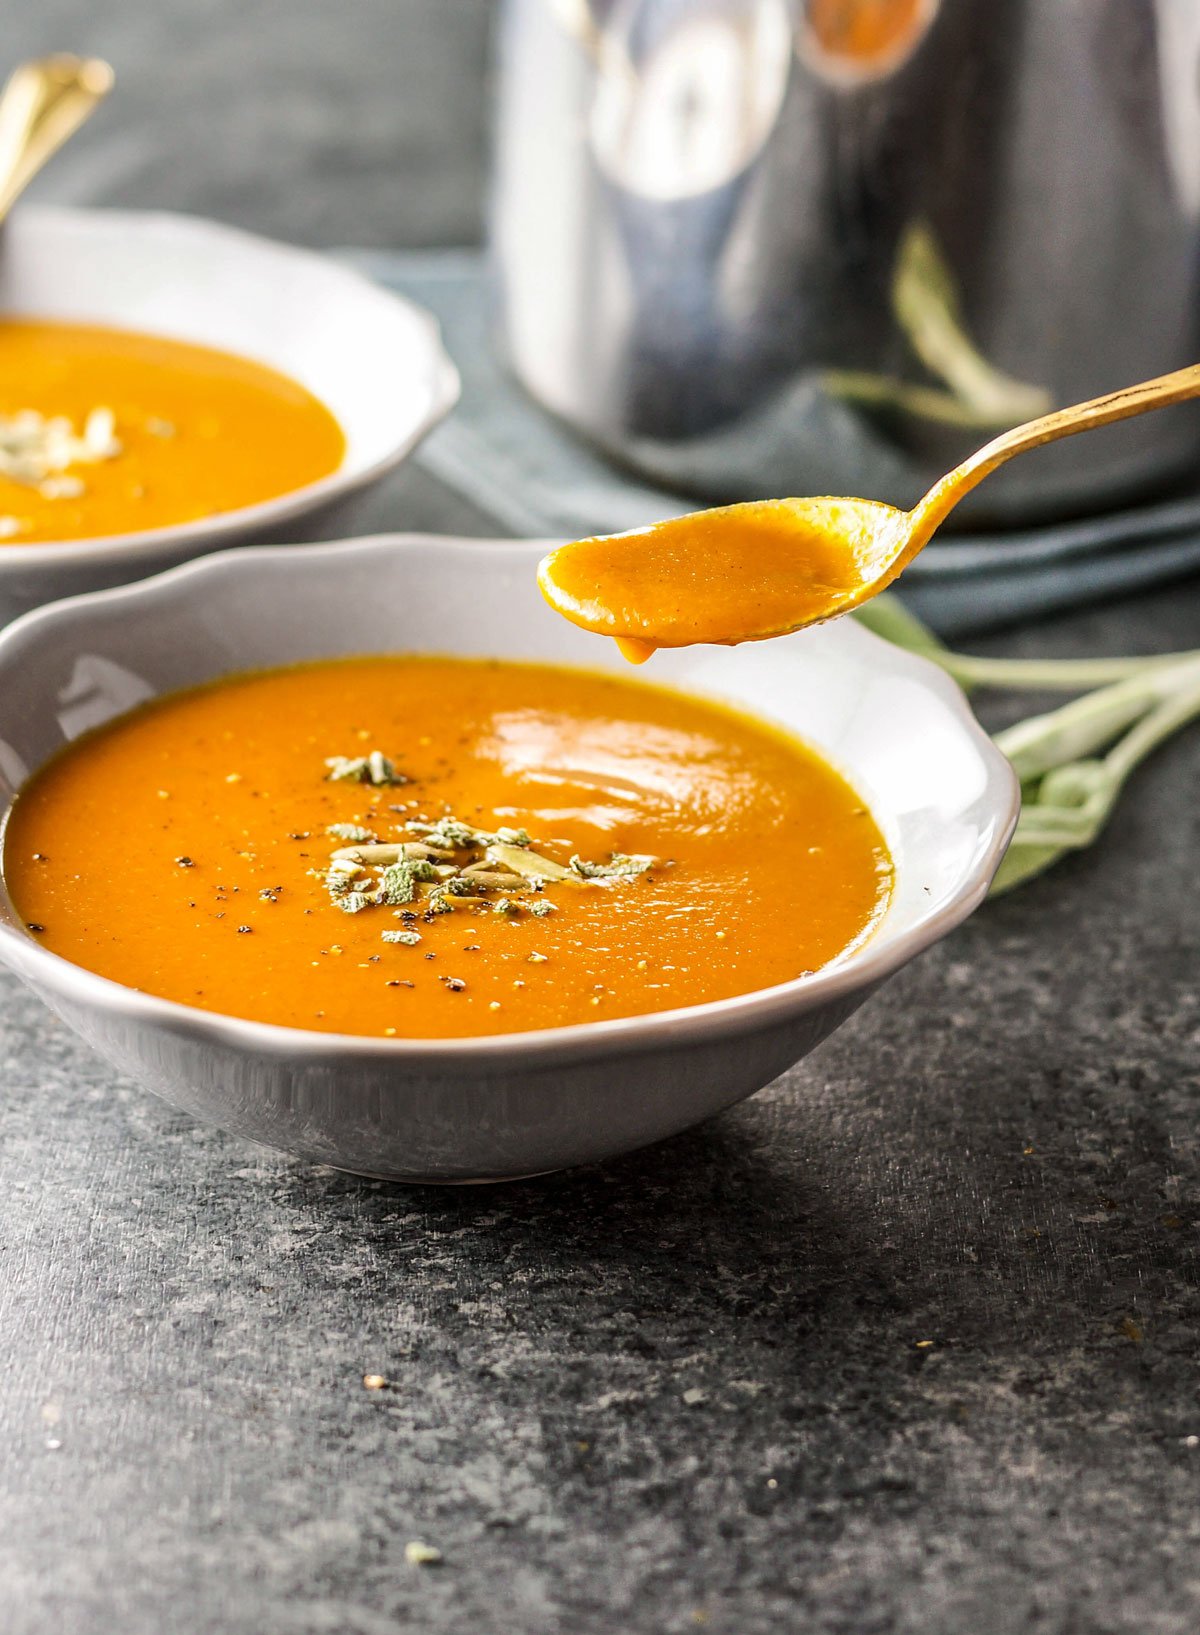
point(769, 567)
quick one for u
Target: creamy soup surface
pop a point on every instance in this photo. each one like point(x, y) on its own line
point(105, 431)
point(418, 847)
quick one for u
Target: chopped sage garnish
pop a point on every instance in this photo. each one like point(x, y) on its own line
point(374, 768)
point(514, 837)
point(449, 832)
point(353, 902)
point(397, 885)
point(338, 881)
point(349, 831)
point(452, 865)
point(619, 867)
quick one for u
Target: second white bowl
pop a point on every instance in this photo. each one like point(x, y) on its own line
point(374, 359)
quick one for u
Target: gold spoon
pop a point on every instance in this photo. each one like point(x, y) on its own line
point(43, 103)
point(769, 567)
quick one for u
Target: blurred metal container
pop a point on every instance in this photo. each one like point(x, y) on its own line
point(785, 246)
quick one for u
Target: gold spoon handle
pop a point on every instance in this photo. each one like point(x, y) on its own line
point(929, 512)
point(43, 103)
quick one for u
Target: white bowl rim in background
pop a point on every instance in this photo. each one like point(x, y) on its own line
point(374, 358)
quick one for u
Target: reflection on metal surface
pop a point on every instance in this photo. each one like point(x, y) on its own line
point(851, 41)
point(708, 211)
point(682, 108)
point(928, 308)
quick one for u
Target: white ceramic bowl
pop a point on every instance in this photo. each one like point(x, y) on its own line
point(373, 358)
point(513, 1105)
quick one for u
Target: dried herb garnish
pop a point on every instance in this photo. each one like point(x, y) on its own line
point(620, 866)
point(353, 902)
point(397, 884)
point(452, 865)
point(449, 832)
point(514, 837)
point(348, 831)
point(374, 768)
point(339, 876)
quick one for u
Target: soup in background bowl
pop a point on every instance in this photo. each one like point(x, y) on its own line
point(888, 732)
point(326, 381)
point(107, 431)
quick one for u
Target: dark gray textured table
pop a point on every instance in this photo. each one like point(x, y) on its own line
point(907, 1343)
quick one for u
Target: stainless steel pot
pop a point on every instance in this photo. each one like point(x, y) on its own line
point(785, 246)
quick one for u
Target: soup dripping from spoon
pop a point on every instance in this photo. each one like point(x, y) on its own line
point(769, 567)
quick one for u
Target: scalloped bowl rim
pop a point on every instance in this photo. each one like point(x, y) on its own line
point(862, 967)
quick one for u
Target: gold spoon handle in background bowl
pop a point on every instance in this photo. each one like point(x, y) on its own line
point(44, 103)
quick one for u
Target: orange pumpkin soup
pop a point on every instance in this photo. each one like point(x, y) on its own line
point(438, 848)
point(103, 432)
point(732, 574)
